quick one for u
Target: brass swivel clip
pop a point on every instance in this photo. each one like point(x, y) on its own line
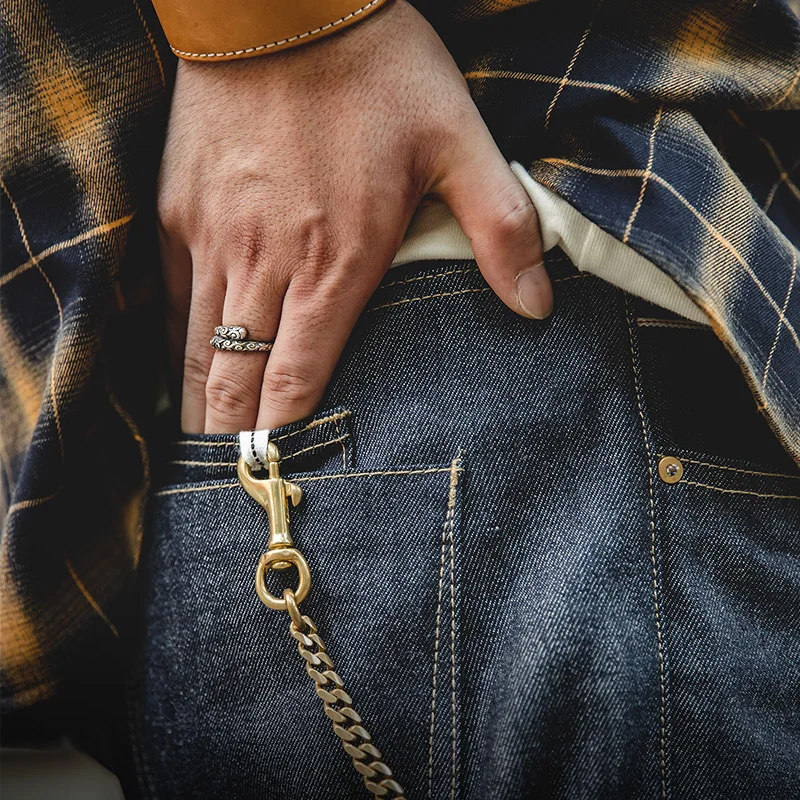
point(274, 494)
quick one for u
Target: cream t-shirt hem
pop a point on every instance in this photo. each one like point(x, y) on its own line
point(434, 234)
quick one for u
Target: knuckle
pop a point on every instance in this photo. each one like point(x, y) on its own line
point(513, 213)
point(317, 243)
point(320, 290)
point(226, 397)
point(195, 374)
point(286, 389)
point(249, 244)
point(308, 245)
point(168, 212)
point(172, 204)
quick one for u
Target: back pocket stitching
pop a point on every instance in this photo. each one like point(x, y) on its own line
point(447, 538)
point(741, 491)
point(737, 469)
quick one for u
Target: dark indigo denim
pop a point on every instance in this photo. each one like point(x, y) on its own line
point(591, 631)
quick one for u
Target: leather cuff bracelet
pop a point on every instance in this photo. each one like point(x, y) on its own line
point(221, 30)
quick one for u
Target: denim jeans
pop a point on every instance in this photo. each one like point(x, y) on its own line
point(520, 599)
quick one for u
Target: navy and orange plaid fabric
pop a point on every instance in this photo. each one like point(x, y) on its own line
point(674, 126)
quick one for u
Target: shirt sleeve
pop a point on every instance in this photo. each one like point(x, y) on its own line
point(222, 30)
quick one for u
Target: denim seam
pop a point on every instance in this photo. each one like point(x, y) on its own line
point(742, 491)
point(736, 469)
point(297, 479)
point(180, 442)
point(429, 297)
point(369, 474)
point(341, 441)
point(447, 532)
point(454, 272)
point(183, 463)
point(406, 300)
point(431, 735)
point(188, 489)
point(431, 277)
point(656, 602)
point(451, 502)
point(315, 423)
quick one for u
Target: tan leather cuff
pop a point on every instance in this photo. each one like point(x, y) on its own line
point(221, 30)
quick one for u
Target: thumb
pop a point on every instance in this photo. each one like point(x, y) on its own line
point(501, 222)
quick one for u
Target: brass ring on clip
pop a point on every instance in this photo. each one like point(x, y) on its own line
point(268, 562)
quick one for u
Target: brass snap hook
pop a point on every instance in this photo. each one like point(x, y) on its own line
point(274, 494)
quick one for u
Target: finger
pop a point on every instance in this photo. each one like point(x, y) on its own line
point(316, 322)
point(176, 268)
point(205, 313)
point(500, 220)
point(234, 384)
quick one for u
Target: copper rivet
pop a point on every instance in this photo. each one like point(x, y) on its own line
point(670, 469)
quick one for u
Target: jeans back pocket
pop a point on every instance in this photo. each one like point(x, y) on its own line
point(725, 517)
point(223, 704)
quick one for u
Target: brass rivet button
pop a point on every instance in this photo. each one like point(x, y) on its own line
point(670, 469)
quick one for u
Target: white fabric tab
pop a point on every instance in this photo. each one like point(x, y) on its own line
point(253, 445)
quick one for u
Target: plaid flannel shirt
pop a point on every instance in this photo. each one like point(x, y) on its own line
point(673, 126)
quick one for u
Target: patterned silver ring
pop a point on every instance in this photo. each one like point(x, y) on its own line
point(238, 332)
point(234, 339)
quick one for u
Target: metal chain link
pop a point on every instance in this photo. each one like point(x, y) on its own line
point(274, 494)
point(356, 739)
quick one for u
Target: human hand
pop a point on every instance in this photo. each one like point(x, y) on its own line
point(286, 187)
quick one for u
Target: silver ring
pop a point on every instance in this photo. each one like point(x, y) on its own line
point(234, 338)
point(238, 332)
